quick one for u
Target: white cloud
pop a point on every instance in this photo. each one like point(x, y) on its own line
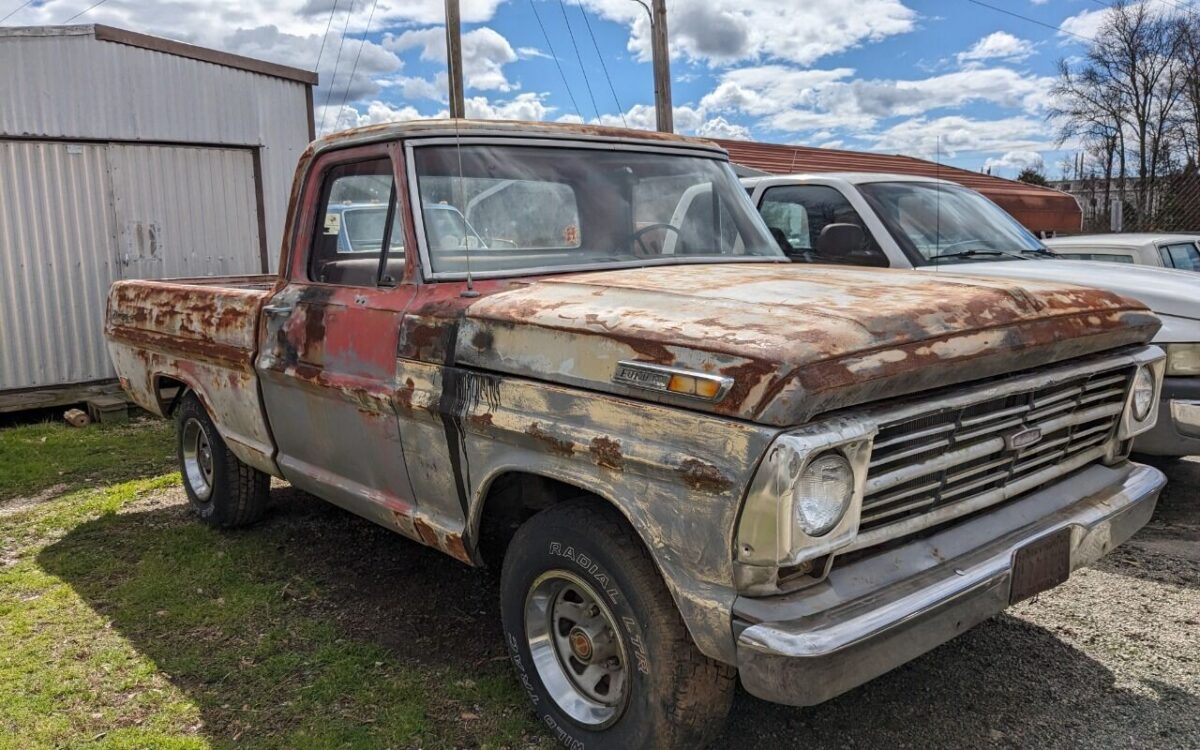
point(1084, 24)
point(998, 45)
point(794, 100)
point(485, 52)
point(721, 31)
point(1014, 161)
point(947, 137)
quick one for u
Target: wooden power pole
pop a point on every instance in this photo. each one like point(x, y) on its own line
point(454, 59)
point(664, 115)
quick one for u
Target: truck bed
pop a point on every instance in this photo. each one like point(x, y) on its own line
point(201, 334)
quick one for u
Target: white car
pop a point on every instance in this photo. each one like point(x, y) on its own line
point(1180, 251)
point(899, 221)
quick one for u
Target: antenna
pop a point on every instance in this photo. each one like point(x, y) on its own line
point(937, 247)
point(459, 200)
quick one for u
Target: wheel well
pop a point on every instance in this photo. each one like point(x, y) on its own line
point(169, 392)
point(512, 499)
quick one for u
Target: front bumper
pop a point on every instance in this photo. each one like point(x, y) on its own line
point(1178, 430)
point(880, 611)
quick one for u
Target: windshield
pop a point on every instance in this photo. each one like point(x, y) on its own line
point(504, 209)
point(939, 223)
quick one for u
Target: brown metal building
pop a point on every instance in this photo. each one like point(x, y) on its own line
point(1040, 209)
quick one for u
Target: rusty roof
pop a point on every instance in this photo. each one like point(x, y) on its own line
point(507, 128)
point(1040, 209)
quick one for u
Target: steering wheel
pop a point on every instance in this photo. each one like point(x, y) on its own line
point(640, 233)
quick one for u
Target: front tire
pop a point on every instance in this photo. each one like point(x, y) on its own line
point(596, 640)
point(223, 491)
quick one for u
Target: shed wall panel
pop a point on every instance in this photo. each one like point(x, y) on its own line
point(184, 211)
point(56, 263)
point(74, 86)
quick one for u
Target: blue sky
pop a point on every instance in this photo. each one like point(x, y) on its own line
point(919, 77)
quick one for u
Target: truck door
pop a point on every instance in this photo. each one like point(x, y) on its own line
point(328, 340)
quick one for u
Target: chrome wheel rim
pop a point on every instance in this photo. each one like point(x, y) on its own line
point(197, 459)
point(577, 649)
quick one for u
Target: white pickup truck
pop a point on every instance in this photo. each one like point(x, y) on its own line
point(900, 221)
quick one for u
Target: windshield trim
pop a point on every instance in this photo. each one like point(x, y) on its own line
point(414, 198)
point(915, 257)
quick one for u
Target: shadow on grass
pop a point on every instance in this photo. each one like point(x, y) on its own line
point(318, 629)
point(311, 629)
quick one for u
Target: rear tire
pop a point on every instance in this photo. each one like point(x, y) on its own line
point(597, 642)
point(223, 491)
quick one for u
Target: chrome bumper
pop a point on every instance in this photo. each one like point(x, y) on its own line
point(878, 612)
point(1178, 430)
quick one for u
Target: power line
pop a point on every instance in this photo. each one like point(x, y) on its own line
point(337, 61)
point(1050, 26)
point(85, 10)
point(557, 63)
point(14, 11)
point(325, 38)
point(620, 109)
point(579, 57)
point(354, 68)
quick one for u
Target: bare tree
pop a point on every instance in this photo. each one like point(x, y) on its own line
point(1125, 97)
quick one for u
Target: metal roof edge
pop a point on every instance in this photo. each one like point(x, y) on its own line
point(103, 33)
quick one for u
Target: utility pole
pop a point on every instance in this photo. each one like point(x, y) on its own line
point(458, 107)
point(662, 68)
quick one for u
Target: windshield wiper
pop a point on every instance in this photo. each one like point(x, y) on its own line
point(973, 253)
point(1040, 252)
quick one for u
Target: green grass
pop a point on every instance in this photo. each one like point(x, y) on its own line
point(57, 458)
point(126, 624)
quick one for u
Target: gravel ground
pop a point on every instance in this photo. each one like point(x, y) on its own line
point(1111, 659)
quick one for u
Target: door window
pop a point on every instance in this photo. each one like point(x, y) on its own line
point(796, 214)
point(1183, 256)
point(358, 239)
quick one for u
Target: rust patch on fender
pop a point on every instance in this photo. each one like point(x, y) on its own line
point(704, 477)
point(556, 445)
point(606, 452)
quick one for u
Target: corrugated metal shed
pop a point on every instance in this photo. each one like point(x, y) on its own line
point(124, 155)
point(1040, 209)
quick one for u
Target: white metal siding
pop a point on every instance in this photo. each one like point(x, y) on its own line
point(72, 85)
point(162, 142)
point(76, 217)
point(184, 211)
point(56, 235)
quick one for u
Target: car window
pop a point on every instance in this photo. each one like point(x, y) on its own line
point(1109, 257)
point(351, 227)
point(796, 214)
point(1183, 255)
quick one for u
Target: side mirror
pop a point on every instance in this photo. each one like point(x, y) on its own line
point(847, 243)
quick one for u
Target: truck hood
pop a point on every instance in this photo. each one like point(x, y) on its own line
point(1166, 291)
point(796, 340)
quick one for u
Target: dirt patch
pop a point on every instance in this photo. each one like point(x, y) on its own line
point(16, 504)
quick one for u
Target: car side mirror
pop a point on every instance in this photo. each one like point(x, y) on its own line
point(847, 243)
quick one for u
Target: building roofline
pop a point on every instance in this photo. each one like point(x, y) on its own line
point(168, 46)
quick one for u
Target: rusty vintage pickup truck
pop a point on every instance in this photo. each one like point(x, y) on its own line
point(691, 460)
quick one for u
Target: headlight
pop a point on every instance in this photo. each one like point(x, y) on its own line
point(1183, 360)
point(822, 493)
point(1144, 391)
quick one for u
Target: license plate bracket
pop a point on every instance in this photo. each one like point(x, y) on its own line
point(1041, 565)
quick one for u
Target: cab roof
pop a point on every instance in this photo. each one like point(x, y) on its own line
point(509, 129)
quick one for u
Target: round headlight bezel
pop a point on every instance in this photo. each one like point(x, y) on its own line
point(815, 521)
point(1143, 383)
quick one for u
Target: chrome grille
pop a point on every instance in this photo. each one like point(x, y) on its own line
point(932, 460)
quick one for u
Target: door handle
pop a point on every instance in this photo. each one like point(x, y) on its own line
point(277, 310)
